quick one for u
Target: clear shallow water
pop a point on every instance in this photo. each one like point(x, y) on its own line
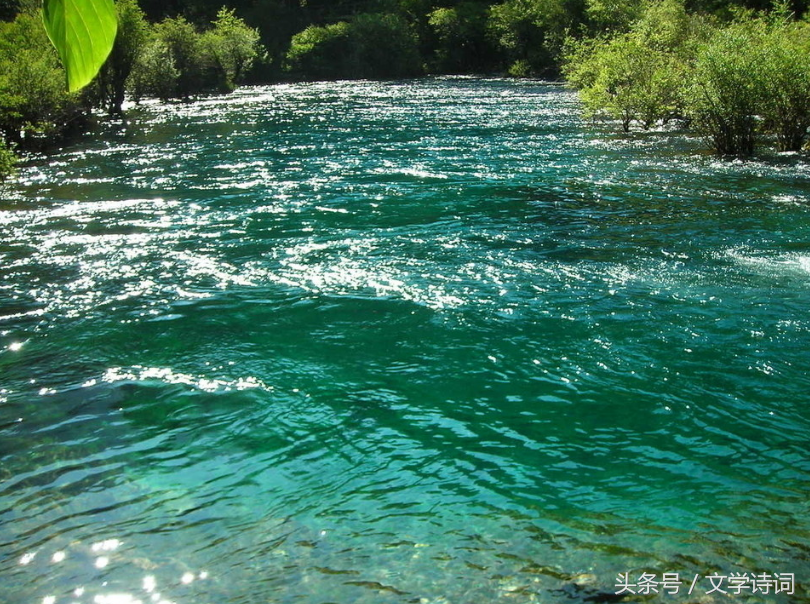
point(433, 341)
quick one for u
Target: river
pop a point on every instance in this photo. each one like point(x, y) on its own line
point(437, 341)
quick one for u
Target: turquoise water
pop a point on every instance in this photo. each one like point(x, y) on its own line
point(437, 341)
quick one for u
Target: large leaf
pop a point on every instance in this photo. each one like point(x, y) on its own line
point(83, 32)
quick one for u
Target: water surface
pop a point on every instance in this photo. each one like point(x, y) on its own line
point(437, 341)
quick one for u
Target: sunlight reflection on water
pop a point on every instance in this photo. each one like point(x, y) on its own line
point(370, 342)
point(94, 587)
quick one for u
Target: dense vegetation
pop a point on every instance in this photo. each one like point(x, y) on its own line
point(736, 70)
point(170, 59)
point(738, 82)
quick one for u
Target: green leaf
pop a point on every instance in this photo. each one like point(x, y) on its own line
point(83, 32)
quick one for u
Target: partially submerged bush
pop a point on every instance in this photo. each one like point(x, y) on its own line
point(725, 93)
point(627, 80)
point(733, 83)
point(753, 78)
point(785, 81)
point(8, 161)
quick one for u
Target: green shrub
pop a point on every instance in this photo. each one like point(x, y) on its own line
point(639, 76)
point(520, 69)
point(187, 51)
point(154, 73)
point(178, 61)
point(785, 81)
point(130, 41)
point(34, 103)
point(627, 80)
point(8, 161)
point(233, 45)
point(726, 92)
point(733, 82)
point(321, 52)
point(372, 45)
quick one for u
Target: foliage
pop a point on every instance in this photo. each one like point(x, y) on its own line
point(785, 81)
point(8, 161)
point(666, 25)
point(733, 82)
point(185, 50)
point(636, 76)
point(320, 52)
point(233, 45)
point(178, 60)
point(754, 77)
point(531, 32)
point(154, 72)
point(626, 79)
point(34, 103)
point(83, 32)
point(133, 33)
point(461, 38)
point(518, 27)
point(371, 45)
point(738, 76)
point(520, 69)
point(384, 46)
point(277, 21)
point(726, 92)
point(613, 15)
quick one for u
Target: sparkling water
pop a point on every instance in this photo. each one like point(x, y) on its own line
point(436, 341)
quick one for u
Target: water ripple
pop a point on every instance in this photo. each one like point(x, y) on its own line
point(431, 341)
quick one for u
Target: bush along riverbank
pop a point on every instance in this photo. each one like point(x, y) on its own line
point(171, 59)
point(736, 71)
point(741, 83)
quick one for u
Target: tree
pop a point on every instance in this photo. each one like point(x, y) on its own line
point(234, 46)
point(185, 48)
point(531, 32)
point(34, 102)
point(637, 76)
point(626, 79)
point(785, 82)
point(154, 72)
point(133, 34)
point(461, 40)
point(726, 91)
